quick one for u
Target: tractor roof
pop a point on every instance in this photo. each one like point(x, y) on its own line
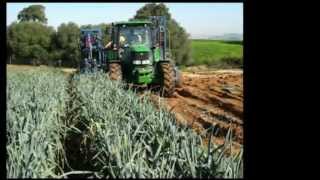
point(133, 22)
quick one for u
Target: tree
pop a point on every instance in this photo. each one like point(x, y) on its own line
point(38, 54)
point(9, 49)
point(35, 13)
point(29, 42)
point(66, 44)
point(179, 38)
point(153, 9)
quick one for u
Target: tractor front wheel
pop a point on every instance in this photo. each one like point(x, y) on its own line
point(115, 71)
point(168, 79)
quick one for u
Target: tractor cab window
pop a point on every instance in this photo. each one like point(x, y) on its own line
point(134, 35)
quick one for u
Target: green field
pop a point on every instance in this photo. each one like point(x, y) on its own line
point(217, 53)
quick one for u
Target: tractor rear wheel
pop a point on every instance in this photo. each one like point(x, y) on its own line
point(115, 71)
point(168, 79)
point(178, 79)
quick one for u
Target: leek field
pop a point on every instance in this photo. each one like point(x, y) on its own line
point(62, 126)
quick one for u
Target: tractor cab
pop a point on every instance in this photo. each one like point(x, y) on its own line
point(134, 35)
point(133, 39)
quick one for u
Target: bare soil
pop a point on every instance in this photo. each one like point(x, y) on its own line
point(210, 98)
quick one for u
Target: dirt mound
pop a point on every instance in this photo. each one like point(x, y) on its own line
point(210, 99)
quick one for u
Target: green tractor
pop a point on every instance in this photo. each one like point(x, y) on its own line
point(139, 53)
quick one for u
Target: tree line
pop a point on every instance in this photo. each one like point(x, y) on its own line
point(31, 41)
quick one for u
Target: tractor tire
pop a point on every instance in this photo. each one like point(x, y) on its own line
point(115, 71)
point(168, 79)
point(178, 79)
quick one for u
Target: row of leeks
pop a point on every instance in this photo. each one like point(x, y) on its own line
point(126, 136)
point(35, 127)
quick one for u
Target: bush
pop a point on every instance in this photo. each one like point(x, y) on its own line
point(232, 61)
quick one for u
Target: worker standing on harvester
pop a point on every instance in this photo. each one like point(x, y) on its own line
point(122, 41)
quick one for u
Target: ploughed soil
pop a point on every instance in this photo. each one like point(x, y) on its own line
point(210, 99)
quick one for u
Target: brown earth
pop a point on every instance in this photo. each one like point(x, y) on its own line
point(208, 99)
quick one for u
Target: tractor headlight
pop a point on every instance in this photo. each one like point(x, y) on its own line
point(145, 62)
point(141, 62)
point(136, 62)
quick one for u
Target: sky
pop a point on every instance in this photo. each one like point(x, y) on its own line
point(197, 18)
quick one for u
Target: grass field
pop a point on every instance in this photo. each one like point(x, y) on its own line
point(217, 53)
